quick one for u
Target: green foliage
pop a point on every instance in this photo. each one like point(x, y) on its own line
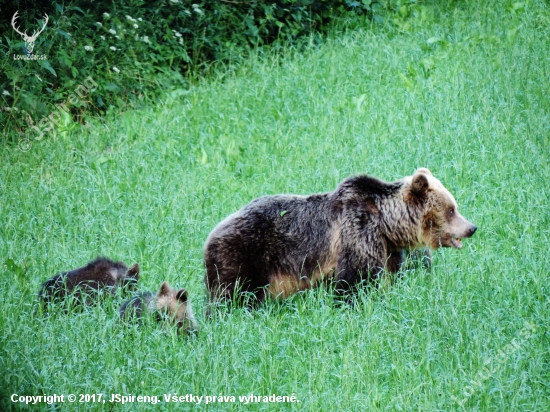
point(121, 53)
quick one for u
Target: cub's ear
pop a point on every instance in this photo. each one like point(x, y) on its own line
point(164, 289)
point(423, 170)
point(181, 296)
point(420, 184)
point(133, 272)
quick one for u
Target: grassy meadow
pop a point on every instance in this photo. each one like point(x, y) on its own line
point(463, 90)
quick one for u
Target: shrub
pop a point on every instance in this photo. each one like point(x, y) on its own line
point(100, 55)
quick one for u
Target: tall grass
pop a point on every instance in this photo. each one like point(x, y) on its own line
point(463, 92)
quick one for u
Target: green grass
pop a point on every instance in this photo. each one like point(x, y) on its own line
point(463, 92)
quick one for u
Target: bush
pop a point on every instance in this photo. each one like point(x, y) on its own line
point(99, 55)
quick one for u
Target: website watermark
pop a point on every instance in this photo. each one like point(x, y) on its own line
point(30, 57)
point(493, 363)
point(29, 40)
point(47, 125)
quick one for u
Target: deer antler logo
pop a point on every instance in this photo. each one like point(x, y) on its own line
point(29, 40)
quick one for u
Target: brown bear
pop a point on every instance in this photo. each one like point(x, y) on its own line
point(278, 245)
point(168, 305)
point(85, 282)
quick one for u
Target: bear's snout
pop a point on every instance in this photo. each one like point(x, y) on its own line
point(468, 231)
point(452, 237)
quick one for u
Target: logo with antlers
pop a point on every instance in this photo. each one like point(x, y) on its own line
point(29, 40)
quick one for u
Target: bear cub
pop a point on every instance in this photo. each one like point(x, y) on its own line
point(278, 245)
point(168, 306)
point(85, 283)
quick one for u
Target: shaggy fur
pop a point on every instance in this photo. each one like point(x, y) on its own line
point(278, 245)
point(85, 282)
point(168, 305)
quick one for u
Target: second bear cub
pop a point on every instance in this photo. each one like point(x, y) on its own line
point(98, 275)
point(168, 305)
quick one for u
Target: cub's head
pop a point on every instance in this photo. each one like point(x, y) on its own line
point(442, 225)
point(129, 280)
point(174, 307)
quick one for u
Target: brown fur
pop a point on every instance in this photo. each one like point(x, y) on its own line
point(169, 305)
point(278, 245)
point(85, 282)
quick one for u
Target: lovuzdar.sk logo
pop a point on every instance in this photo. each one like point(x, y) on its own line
point(29, 40)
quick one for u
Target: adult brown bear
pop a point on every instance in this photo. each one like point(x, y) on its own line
point(278, 245)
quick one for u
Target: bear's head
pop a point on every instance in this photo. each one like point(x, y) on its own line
point(129, 281)
point(173, 305)
point(442, 225)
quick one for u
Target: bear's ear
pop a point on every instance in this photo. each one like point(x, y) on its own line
point(420, 184)
point(164, 289)
point(181, 296)
point(133, 272)
point(423, 170)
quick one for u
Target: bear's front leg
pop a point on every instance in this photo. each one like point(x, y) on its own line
point(410, 258)
point(395, 261)
point(354, 268)
point(420, 258)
